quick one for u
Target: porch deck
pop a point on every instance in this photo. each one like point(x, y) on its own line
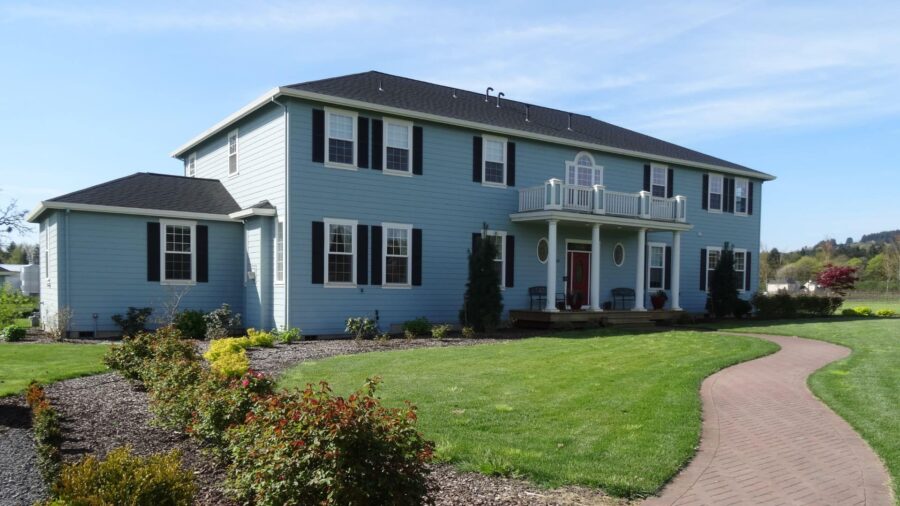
point(584, 319)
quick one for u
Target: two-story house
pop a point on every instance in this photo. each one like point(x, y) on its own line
point(363, 194)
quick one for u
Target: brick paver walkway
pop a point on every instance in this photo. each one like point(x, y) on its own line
point(767, 440)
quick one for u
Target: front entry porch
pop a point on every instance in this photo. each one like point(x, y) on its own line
point(585, 319)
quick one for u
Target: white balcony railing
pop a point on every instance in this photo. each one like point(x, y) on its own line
point(556, 195)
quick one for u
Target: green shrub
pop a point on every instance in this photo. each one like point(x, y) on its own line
point(134, 321)
point(288, 336)
point(783, 305)
point(223, 403)
point(12, 333)
point(440, 331)
point(885, 313)
point(172, 385)
point(191, 324)
point(849, 312)
point(128, 358)
point(311, 447)
point(125, 479)
point(418, 327)
point(45, 426)
point(231, 365)
point(361, 328)
point(260, 338)
point(863, 311)
point(221, 322)
point(482, 302)
point(468, 332)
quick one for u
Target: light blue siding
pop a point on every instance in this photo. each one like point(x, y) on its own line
point(49, 267)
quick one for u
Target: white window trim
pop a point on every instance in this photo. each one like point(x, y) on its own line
point(162, 257)
point(353, 224)
point(355, 120)
point(502, 234)
point(538, 250)
point(237, 152)
point(595, 168)
point(384, 255)
point(279, 223)
point(618, 245)
point(665, 169)
point(737, 181)
point(191, 165)
point(709, 269)
point(710, 193)
point(650, 246)
point(484, 160)
point(743, 272)
point(384, 147)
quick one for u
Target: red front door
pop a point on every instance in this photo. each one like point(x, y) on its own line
point(579, 276)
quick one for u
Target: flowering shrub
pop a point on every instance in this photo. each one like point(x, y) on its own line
point(47, 431)
point(840, 279)
point(440, 331)
point(223, 403)
point(312, 447)
point(361, 328)
point(12, 333)
point(123, 478)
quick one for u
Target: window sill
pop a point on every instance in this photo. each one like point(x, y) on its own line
point(494, 185)
point(396, 287)
point(176, 282)
point(714, 211)
point(390, 172)
point(339, 285)
point(341, 166)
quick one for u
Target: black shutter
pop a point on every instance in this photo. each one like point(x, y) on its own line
point(153, 251)
point(417, 150)
point(362, 255)
point(510, 164)
point(748, 266)
point(476, 159)
point(202, 254)
point(376, 254)
point(668, 263)
point(318, 135)
point(510, 261)
point(705, 203)
point(646, 178)
point(362, 146)
point(417, 257)
point(670, 188)
point(750, 197)
point(377, 141)
point(703, 270)
point(318, 252)
point(728, 205)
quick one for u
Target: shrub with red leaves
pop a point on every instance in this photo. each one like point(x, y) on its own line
point(840, 279)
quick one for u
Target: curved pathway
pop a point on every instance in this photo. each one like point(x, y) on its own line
point(767, 440)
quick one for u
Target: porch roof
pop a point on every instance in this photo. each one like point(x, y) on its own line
point(602, 219)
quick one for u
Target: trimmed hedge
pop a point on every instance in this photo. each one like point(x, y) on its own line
point(47, 431)
point(784, 305)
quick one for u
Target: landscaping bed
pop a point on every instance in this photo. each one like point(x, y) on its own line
point(20, 481)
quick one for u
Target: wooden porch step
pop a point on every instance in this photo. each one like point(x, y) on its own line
point(585, 319)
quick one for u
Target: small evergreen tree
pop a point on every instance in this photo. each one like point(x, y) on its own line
point(483, 302)
point(723, 291)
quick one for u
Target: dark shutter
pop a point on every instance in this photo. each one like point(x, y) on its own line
point(153, 251)
point(202, 254)
point(748, 267)
point(703, 270)
point(318, 252)
point(750, 197)
point(668, 263)
point(670, 187)
point(362, 146)
point(510, 261)
point(510, 164)
point(728, 205)
point(476, 159)
point(705, 203)
point(647, 178)
point(377, 141)
point(417, 257)
point(318, 135)
point(362, 255)
point(417, 150)
point(376, 254)
point(476, 241)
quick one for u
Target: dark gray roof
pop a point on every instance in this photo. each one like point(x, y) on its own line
point(164, 192)
point(419, 96)
point(262, 204)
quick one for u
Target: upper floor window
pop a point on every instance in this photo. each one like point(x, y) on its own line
point(494, 168)
point(340, 131)
point(657, 265)
point(190, 165)
point(741, 193)
point(233, 152)
point(740, 268)
point(583, 172)
point(178, 243)
point(716, 183)
point(340, 263)
point(498, 238)
point(397, 265)
point(397, 146)
point(279, 251)
point(659, 180)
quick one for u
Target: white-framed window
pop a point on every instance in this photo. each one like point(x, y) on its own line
point(233, 152)
point(190, 165)
point(397, 261)
point(340, 258)
point(279, 251)
point(713, 254)
point(657, 266)
point(178, 242)
point(398, 147)
point(659, 180)
point(582, 171)
point(741, 195)
point(619, 255)
point(498, 238)
point(340, 138)
point(493, 168)
point(716, 184)
point(740, 268)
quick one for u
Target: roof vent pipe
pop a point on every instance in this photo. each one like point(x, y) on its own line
point(454, 93)
point(527, 110)
point(570, 123)
point(500, 95)
point(487, 93)
point(379, 86)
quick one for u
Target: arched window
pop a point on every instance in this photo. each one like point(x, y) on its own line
point(582, 171)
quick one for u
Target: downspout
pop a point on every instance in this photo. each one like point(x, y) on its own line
point(287, 207)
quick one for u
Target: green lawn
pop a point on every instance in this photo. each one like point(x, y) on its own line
point(46, 362)
point(874, 304)
point(863, 388)
point(615, 410)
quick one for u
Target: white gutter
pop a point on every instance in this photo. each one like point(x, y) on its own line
point(33, 216)
point(253, 211)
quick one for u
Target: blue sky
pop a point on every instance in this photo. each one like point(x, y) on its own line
point(808, 91)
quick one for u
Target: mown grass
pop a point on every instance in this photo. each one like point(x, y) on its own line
point(873, 304)
point(615, 410)
point(46, 362)
point(864, 388)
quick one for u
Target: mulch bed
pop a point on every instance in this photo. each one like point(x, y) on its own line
point(20, 481)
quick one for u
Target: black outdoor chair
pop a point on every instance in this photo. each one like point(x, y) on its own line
point(622, 297)
point(537, 294)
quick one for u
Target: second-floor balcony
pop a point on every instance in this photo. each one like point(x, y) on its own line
point(555, 195)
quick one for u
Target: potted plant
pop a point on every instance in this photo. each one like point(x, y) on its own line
point(576, 300)
point(659, 299)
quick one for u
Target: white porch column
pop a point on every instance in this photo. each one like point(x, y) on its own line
point(595, 268)
point(676, 270)
point(551, 267)
point(641, 267)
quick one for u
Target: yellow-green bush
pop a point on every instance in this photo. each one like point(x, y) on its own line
point(231, 365)
point(260, 338)
point(221, 347)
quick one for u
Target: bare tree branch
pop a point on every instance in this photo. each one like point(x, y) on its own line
point(12, 219)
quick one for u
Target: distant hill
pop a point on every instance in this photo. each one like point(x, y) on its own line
point(886, 236)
